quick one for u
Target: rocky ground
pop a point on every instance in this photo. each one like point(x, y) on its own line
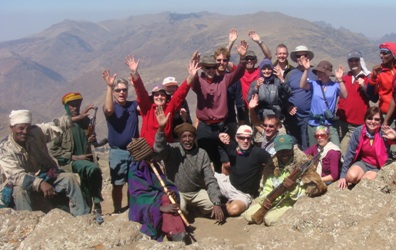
point(361, 218)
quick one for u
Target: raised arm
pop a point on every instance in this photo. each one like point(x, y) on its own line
point(253, 103)
point(108, 107)
point(133, 66)
point(256, 38)
point(303, 82)
point(233, 35)
point(339, 74)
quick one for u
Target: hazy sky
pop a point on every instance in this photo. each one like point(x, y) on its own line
point(21, 18)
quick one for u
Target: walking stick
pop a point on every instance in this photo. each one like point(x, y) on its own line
point(166, 191)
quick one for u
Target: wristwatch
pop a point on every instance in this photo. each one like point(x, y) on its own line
point(217, 203)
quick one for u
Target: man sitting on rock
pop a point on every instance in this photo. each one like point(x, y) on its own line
point(240, 182)
point(286, 159)
point(31, 172)
point(189, 168)
point(72, 149)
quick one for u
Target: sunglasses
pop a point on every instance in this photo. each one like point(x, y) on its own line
point(385, 52)
point(375, 119)
point(210, 67)
point(320, 136)
point(250, 58)
point(354, 60)
point(298, 56)
point(242, 138)
point(221, 60)
point(119, 90)
point(268, 125)
point(159, 94)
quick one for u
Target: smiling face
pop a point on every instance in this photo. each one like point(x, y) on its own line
point(250, 62)
point(386, 56)
point(20, 132)
point(270, 127)
point(266, 70)
point(354, 64)
point(281, 54)
point(244, 141)
point(222, 62)
point(373, 122)
point(209, 70)
point(159, 98)
point(285, 155)
point(120, 93)
point(187, 140)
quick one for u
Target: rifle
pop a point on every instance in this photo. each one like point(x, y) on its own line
point(91, 131)
point(287, 184)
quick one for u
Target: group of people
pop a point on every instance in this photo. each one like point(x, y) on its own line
point(253, 127)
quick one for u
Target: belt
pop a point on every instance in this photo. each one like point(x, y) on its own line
point(213, 122)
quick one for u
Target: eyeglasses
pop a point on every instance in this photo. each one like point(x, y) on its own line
point(243, 138)
point(385, 52)
point(119, 90)
point(250, 58)
point(268, 125)
point(210, 67)
point(221, 60)
point(298, 56)
point(375, 119)
point(354, 60)
point(159, 94)
point(320, 136)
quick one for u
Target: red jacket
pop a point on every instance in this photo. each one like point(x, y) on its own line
point(147, 110)
point(384, 86)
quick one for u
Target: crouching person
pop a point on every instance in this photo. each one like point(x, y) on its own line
point(149, 204)
point(286, 160)
point(189, 168)
point(240, 182)
point(32, 174)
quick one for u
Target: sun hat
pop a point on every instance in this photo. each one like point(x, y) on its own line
point(301, 48)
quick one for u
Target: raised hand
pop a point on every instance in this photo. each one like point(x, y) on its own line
point(196, 57)
point(132, 64)
point(253, 101)
point(339, 72)
point(254, 36)
point(108, 78)
point(305, 62)
point(242, 48)
point(388, 132)
point(161, 117)
point(192, 71)
point(233, 35)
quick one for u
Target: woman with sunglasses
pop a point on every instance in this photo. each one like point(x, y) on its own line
point(329, 164)
point(367, 152)
point(382, 78)
point(148, 104)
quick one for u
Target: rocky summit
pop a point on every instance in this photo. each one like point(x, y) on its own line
point(360, 218)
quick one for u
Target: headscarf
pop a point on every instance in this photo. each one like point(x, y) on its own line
point(20, 116)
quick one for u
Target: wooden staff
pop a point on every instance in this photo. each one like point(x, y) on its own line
point(166, 191)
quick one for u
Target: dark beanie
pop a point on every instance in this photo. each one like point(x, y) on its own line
point(139, 149)
point(181, 128)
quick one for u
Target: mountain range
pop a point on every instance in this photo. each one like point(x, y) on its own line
point(36, 71)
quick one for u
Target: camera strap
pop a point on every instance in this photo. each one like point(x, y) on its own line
point(324, 96)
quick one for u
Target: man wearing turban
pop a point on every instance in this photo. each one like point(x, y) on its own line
point(32, 174)
point(72, 149)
